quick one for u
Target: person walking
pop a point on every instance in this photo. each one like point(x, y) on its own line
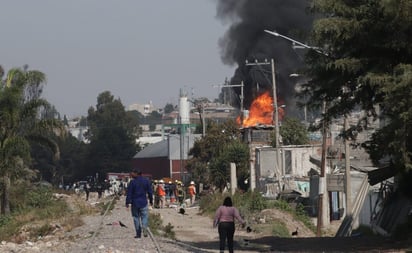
point(87, 190)
point(225, 221)
point(138, 191)
point(156, 196)
point(172, 192)
point(191, 190)
point(180, 193)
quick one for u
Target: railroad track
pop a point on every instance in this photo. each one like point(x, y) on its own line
point(113, 231)
point(151, 243)
point(101, 239)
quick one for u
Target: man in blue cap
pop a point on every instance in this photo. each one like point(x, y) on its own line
point(138, 191)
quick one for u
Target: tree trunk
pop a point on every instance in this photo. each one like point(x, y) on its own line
point(5, 203)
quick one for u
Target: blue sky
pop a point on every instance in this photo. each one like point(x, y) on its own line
point(140, 51)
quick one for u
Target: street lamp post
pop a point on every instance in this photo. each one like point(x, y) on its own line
point(296, 42)
point(322, 179)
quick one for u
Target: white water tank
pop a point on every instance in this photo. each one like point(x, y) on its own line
point(184, 110)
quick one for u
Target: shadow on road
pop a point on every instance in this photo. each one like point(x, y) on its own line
point(313, 244)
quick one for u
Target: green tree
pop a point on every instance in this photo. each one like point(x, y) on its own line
point(65, 121)
point(20, 105)
point(72, 164)
point(169, 108)
point(154, 118)
point(235, 152)
point(82, 122)
point(368, 66)
point(293, 132)
point(212, 155)
point(112, 134)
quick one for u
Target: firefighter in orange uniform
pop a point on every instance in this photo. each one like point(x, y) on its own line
point(191, 190)
point(161, 193)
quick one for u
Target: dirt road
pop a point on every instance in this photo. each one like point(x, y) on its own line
point(196, 230)
point(194, 233)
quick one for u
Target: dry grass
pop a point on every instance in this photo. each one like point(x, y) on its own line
point(63, 213)
point(71, 222)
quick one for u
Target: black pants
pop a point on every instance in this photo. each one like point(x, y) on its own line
point(226, 231)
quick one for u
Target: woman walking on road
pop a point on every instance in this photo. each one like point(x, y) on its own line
point(225, 220)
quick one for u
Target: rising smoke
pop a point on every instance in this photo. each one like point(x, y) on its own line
point(246, 40)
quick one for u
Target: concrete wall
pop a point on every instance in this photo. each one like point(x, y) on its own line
point(294, 160)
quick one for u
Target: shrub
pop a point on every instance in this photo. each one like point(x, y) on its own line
point(35, 212)
point(254, 201)
point(155, 222)
point(43, 230)
point(169, 233)
point(249, 203)
point(209, 203)
point(55, 209)
point(4, 220)
point(155, 225)
point(300, 214)
point(39, 197)
point(279, 229)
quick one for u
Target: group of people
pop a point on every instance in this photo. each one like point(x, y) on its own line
point(172, 193)
point(140, 195)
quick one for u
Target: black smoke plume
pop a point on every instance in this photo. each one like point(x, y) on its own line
point(246, 40)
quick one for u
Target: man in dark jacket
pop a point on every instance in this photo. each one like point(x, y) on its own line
point(138, 191)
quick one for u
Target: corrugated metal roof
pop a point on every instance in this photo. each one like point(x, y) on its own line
point(175, 144)
point(158, 149)
point(169, 147)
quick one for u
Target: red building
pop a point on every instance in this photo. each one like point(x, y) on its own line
point(166, 158)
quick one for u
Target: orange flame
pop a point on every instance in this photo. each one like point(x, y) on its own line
point(261, 112)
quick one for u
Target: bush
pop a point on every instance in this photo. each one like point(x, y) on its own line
point(250, 203)
point(43, 230)
point(155, 222)
point(209, 203)
point(156, 225)
point(34, 214)
point(300, 214)
point(169, 233)
point(279, 229)
point(247, 203)
point(4, 220)
point(39, 197)
point(55, 209)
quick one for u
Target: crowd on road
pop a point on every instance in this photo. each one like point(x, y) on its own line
point(172, 193)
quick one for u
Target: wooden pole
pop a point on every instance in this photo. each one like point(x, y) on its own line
point(322, 181)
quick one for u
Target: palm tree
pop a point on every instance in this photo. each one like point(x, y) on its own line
point(20, 106)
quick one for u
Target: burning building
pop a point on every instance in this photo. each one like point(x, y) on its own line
point(245, 40)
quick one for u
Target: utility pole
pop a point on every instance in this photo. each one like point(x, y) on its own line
point(203, 120)
point(348, 193)
point(241, 85)
point(322, 178)
point(275, 115)
point(201, 109)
